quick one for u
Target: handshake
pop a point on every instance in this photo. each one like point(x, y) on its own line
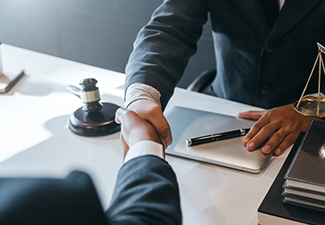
point(135, 130)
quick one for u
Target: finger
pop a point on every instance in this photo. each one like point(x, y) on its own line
point(255, 129)
point(152, 113)
point(277, 138)
point(264, 133)
point(134, 128)
point(129, 121)
point(118, 114)
point(289, 140)
point(159, 122)
point(251, 115)
point(125, 146)
point(127, 118)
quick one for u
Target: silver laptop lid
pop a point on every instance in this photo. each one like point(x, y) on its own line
point(189, 123)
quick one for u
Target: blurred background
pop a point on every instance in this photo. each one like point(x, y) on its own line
point(96, 32)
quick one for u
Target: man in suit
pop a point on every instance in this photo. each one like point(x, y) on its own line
point(265, 50)
point(146, 189)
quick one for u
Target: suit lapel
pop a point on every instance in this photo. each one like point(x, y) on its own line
point(253, 12)
point(292, 12)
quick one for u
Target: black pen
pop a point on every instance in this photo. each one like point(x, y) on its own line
point(216, 137)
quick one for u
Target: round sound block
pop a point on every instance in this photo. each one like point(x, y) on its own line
point(94, 123)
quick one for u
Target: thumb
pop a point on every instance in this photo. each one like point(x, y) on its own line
point(119, 115)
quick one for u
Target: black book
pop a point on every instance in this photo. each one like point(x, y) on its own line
point(307, 169)
point(274, 211)
point(304, 202)
point(306, 195)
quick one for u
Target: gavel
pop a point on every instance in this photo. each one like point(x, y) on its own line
point(93, 118)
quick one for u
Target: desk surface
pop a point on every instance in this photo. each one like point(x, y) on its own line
point(35, 140)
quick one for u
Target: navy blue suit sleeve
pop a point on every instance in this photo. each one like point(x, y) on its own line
point(146, 192)
point(163, 47)
point(39, 201)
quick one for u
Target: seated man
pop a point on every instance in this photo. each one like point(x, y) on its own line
point(264, 50)
point(146, 190)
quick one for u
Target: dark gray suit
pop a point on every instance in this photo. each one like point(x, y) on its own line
point(146, 192)
point(256, 65)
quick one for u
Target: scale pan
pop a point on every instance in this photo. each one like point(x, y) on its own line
point(322, 151)
point(311, 106)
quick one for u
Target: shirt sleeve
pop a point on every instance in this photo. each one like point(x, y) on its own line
point(145, 148)
point(139, 91)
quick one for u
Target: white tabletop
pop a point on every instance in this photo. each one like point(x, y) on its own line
point(35, 140)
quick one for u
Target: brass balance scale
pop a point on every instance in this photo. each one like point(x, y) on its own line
point(314, 105)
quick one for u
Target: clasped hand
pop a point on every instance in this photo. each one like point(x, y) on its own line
point(134, 129)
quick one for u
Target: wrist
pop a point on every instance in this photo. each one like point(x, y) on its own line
point(139, 91)
point(138, 100)
point(145, 147)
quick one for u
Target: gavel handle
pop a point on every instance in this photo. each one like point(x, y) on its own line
point(74, 90)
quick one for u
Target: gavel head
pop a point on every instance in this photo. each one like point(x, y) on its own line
point(94, 118)
point(90, 95)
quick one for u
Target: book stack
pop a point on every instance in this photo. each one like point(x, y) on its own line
point(300, 182)
point(305, 178)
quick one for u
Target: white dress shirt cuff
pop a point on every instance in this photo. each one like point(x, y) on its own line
point(139, 91)
point(145, 148)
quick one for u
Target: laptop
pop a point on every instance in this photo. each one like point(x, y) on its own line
point(190, 123)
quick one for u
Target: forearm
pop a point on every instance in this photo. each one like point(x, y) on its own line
point(163, 47)
point(146, 192)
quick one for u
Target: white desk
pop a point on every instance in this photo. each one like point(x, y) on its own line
point(35, 140)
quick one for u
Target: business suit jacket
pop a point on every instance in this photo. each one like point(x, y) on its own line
point(146, 192)
point(256, 64)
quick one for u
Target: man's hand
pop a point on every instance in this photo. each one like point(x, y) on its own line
point(284, 122)
point(134, 129)
point(152, 113)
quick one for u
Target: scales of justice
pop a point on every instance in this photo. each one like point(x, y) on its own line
point(314, 105)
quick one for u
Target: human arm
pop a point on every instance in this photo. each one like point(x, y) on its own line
point(36, 201)
point(163, 47)
point(146, 189)
point(145, 101)
point(146, 192)
point(161, 52)
point(283, 122)
point(134, 129)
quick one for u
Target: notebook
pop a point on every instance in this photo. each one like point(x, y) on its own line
point(189, 123)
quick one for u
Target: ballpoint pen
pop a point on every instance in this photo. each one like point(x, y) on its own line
point(216, 137)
